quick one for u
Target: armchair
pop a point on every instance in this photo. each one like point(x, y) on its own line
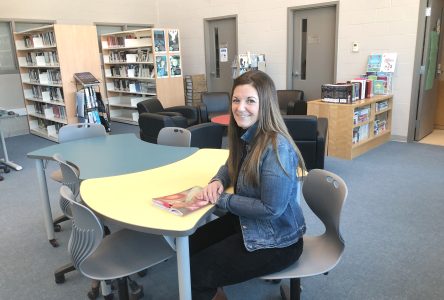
point(310, 135)
point(153, 105)
point(291, 102)
point(213, 104)
point(150, 125)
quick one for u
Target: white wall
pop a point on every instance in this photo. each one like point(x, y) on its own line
point(379, 26)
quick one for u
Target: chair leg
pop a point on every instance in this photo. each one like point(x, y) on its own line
point(293, 292)
point(59, 274)
point(57, 221)
point(122, 288)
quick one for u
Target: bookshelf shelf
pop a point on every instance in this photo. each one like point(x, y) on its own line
point(345, 140)
point(147, 60)
point(48, 57)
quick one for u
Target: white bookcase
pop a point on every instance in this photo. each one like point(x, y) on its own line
point(140, 64)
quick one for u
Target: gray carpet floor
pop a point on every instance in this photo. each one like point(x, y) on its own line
point(392, 224)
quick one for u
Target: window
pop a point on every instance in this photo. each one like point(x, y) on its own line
point(8, 60)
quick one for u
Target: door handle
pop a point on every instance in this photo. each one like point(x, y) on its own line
point(295, 74)
point(213, 73)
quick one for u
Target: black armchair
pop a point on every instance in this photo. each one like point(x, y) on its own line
point(150, 124)
point(291, 102)
point(207, 135)
point(153, 105)
point(310, 135)
point(213, 104)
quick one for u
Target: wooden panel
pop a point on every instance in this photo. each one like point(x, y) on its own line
point(170, 91)
point(78, 51)
point(439, 114)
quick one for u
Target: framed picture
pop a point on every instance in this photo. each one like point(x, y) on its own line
point(159, 40)
point(173, 40)
point(175, 67)
point(161, 66)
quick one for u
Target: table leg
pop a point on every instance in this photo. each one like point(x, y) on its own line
point(183, 267)
point(47, 215)
point(6, 160)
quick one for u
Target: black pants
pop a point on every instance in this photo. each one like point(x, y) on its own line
point(219, 258)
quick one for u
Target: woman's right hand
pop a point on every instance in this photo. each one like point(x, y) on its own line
point(211, 192)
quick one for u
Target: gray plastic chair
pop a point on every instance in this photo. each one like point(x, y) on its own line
point(73, 132)
point(114, 256)
point(174, 136)
point(70, 178)
point(325, 194)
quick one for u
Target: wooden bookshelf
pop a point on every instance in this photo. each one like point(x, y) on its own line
point(354, 129)
point(48, 57)
point(134, 65)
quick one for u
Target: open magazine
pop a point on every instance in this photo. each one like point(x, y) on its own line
point(181, 203)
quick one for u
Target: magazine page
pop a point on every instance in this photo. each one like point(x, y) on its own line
point(181, 203)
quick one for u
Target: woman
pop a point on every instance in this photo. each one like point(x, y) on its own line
point(262, 231)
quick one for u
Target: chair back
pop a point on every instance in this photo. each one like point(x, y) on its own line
point(214, 103)
point(87, 230)
point(79, 131)
point(70, 178)
point(207, 135)
point(151, 105)
point(325, 194)
point(174, 136)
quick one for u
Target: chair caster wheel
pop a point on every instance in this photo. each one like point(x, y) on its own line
point(7, 170)
point(93, 293)
point(54, 243)
point(57, 228)
point(142, 273)
point(59, 279)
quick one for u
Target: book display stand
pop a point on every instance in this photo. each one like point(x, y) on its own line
point(48, 57)
point(140, 64)
point(354, 129)
point(90, 106)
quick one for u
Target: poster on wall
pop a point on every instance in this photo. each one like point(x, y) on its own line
point(159, 40)
point(173, 40)
point(161, 66)
point(223, 54)
point(175, 68)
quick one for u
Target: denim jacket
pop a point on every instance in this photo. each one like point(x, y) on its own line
point(270, 215)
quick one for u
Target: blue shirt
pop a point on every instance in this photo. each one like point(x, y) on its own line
point(270, 215)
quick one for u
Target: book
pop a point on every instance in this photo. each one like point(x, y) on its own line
point(86, 78)
point(181, 203)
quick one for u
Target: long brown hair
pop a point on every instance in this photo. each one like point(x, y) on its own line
point(269, 125)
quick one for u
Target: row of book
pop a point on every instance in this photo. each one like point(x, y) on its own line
point(361, 114)
point(38, 40)
point(46, 58)
point(381, 105)
point(360, 133)
point(86, 99)
point(47, 93)
point(360, 88)
point(141, 70)
point(131, 86)
point(44, 124)
point(49, 111)
point(128, 56)
point(45, 76)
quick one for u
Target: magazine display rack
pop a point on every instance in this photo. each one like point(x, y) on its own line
point(246, 62)
point(140, 64)
point(48, 57)
point(90, 106)
point(354, 129)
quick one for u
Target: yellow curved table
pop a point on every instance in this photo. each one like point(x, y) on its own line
point(126, 200)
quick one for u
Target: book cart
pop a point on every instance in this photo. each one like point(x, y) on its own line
point(48, 57)
point(90, 106)
point(140, 64)
point(354, 129)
